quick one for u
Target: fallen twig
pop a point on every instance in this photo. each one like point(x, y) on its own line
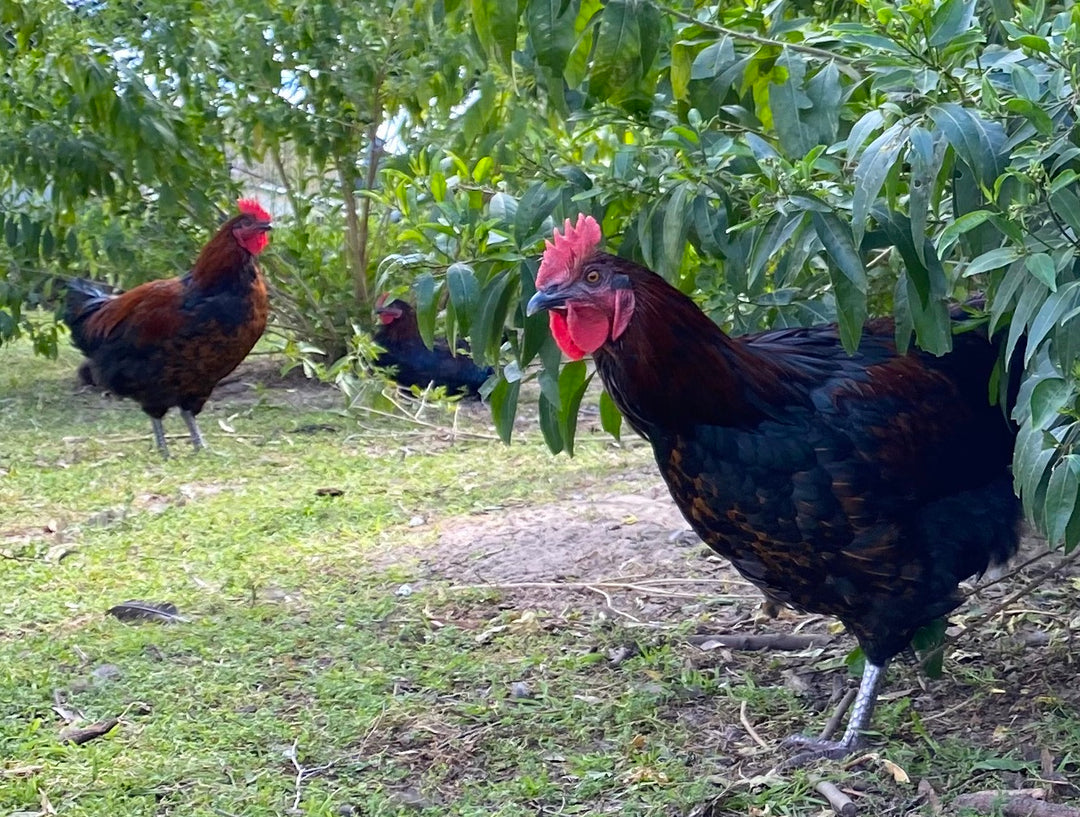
point(1013, 804)
point(749, 727)
point(840, 802)
point(423, 424)
point(85, 734)
point(640, 587)
point(1011, 573)
point(838, 715)
point(765, 641)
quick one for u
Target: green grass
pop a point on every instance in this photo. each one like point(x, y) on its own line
point(306, 682)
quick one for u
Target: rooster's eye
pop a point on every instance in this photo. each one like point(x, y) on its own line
point(592, 277)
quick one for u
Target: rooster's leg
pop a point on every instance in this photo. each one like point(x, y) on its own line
point(159, 437)
point(193, 427)
point(861, 712)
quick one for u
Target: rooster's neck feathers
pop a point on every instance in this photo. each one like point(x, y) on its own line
point(674, 367)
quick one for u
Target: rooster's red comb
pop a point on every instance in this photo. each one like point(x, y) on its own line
point(566, 250)
point(251, 207)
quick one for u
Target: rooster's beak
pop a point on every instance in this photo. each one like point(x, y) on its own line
point(545, 300)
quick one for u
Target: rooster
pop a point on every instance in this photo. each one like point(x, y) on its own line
point(168, 342)
point(413, 363)
point(863, 486)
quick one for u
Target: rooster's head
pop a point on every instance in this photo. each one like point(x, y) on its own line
point(589, 298)
point(251, 226)
point(388, 312)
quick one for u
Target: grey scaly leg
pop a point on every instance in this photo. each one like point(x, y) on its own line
point(159, 437)
point(861, 712)
point(193, 427)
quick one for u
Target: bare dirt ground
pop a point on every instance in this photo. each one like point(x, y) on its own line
point(632, 557)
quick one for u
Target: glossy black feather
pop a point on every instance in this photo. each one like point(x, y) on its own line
point(412, 363)
point(861, 486)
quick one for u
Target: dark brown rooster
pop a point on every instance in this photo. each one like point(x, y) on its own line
point(413, 363)
point(167, 343)
point(861, 486)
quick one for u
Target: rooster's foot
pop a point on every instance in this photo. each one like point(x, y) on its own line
point(811, 749)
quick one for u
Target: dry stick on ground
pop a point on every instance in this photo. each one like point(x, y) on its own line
point(306, 773)
point(423, 424)
point(750, 730)
point(838, 715)
point(840, 802)
point(1015, 570)
point(767, 641)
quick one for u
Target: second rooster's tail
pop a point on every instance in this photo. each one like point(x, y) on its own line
point(83, 300)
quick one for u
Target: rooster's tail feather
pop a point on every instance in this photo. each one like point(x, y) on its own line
point(83, 300)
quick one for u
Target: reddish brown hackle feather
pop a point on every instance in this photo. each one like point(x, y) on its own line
point(251, 207)
point(150, 312)
point(567, 250)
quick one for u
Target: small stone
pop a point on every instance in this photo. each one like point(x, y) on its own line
point(106, 673)
point(416, 521)
point(520, 689)
point(404, 591)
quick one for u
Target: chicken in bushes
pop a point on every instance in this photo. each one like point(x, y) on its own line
point(863, 486)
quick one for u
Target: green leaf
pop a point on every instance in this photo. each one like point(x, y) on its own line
point(925, 285)
point(1062, 496)
point(874, 165)
point(503, 401)
point(826, 93)
point(867, 124)
point(676, 215)
point(535, 206)
point(1031, 298)
point(949, 20)
point(550, 26)
point(550, 424)
point(573, 380)
point(610, 416)
point(994, 259)
point(927, 642)
point(1041, 266)
point(1035, 43)
point(786, 101)
point(1067, 205)
point(713, 60)
point(496, 26)
point(464, 293)
point(850, 285)
point(958, 227)
point(680, 71)
point(489, 317)
point(1048, 398)
point(617, 54)
point(977, 141)
point(649, 22)
point(925, 159)
point(1030, 463)
point(426, 306)
point(1051, 316)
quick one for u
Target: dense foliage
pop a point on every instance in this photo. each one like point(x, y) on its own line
point(787, 162)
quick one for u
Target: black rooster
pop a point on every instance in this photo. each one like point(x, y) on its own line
point(862, 486)
point(413, 363)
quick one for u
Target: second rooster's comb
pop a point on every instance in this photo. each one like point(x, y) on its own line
point(565, 250)
point(251, 207)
